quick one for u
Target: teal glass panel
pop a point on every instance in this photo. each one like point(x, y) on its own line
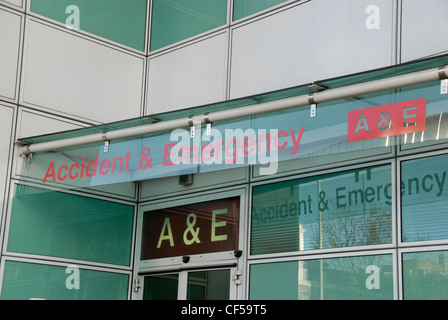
point(24, 281)
point(314, 139)
point(243, 8)
point(424, 199)
point(425, 275)
point(176, 20)
point(69, 226)
point(352, 278)
point(161, 287)
point(122, 21)
point(208, 285)
point(346, 209)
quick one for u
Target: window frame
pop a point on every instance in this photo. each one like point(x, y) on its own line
point(392, 244)
point(408, 244)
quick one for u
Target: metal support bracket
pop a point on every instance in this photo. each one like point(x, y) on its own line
point(444, 86)
point(208, 130)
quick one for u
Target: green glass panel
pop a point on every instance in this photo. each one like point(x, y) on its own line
point(352, 278)
point(243, 8)
point(282, 286)
point(176, 20)
point(424, 199)
point(346, 209)
point(69, 226)
point(24, 281)
point(123, 21)
point(208, 285)
point(425, 275)
point(162, 287)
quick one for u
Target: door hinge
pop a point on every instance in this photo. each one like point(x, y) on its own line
point(237, 277)
point(137, 284)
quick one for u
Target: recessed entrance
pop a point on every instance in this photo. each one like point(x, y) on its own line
point(213, 284)
point(190, 248)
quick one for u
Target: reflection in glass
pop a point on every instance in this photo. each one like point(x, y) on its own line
point(161, 287)
point(347, 209)
point(425, 275)
point(352, 278)
point(123, 21)
point(209, 285)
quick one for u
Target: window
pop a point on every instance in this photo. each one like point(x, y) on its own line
point(346, 209)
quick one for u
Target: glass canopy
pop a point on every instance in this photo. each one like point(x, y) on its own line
point(372, 122)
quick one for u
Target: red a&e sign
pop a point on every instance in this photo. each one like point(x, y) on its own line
point(387, 120)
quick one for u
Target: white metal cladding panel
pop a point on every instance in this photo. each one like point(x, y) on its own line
point(32, 123)
point(78, 77)
point(424, 28)
point(6, 122)
point(189, 76)
point(312, 41)
point(10, 35)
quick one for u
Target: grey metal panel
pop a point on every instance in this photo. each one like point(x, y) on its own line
point(424, 28)
point(189, 76)
point(33, 123)
point(10, 35)
point(71, 75)
point(311, 41)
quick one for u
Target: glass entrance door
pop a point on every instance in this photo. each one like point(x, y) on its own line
point(214, 284)
point(190, 248)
